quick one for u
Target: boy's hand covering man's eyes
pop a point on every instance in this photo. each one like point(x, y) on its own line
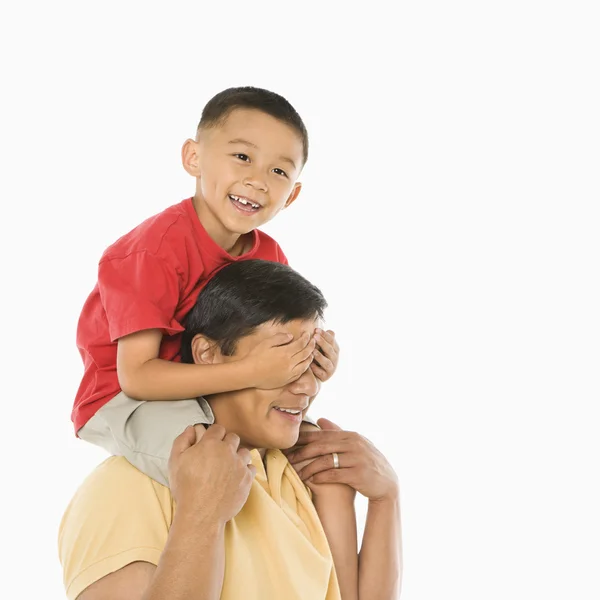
point(276, 361)
point(326, 354)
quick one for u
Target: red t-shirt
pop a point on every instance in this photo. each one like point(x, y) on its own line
point(148, 279)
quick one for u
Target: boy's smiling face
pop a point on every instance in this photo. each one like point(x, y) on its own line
point(246, 170)
point(255, 415)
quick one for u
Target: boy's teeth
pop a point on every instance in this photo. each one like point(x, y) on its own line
point(244, 201)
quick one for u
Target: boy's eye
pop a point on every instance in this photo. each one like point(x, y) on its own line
point(243, 157)
point(280, 172)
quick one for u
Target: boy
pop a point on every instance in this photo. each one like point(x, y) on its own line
point(250, 148)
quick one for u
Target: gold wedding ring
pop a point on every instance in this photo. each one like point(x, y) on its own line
point(336, 460)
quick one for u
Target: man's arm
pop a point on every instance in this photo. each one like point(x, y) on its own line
point(334, 503)
point(335, 507)
point(380, 559)
point(192, 564)
point(367, 471)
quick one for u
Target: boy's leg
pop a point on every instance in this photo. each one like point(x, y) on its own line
point(143, 432)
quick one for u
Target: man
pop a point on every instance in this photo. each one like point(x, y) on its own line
point(238, 521)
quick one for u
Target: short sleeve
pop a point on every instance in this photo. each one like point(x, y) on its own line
point(282, 257)
point(139, 291)
point(117, 517)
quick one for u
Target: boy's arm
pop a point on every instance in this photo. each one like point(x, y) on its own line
point(334, 503)
point(142, 375)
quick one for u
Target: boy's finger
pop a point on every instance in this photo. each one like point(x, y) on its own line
point(305, 352)
point(326, 347)
point(301, 367)
point(332, 340)
point(323, 361)
point(301, 343)
point(329, 335)
point(280, 339)
point(318, 372)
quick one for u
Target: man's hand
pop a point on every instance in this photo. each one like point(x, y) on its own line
point(317, 488)
point(361, 465)
point(211, 476)
point(326, 356)
point(276, 361)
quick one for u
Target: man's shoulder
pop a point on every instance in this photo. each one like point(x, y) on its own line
point(116, 471)
point(117, 516)
point(116, 481)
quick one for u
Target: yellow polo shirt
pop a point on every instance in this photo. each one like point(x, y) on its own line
point(275, 547)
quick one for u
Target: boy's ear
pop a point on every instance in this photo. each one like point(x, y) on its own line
point(294, 194)
point(205, 351)
point(190, 157)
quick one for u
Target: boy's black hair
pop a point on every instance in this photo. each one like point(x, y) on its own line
point(220, 106)
point(244, 295)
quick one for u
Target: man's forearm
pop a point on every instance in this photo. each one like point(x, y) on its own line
point(380, 558)
point(192, 565)
point(160, 379)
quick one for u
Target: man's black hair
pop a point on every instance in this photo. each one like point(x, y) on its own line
point(244, 295)
point(220, 106)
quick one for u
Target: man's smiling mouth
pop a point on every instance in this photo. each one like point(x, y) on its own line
point(291, 411)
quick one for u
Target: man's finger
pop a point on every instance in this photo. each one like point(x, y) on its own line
point(233, 440)
point(215, 431)
point(334, 476)
point(317, 449)
point(324, 463)
point(245, 456)
point(306, 437)
point(327, 424)
point(184, 440)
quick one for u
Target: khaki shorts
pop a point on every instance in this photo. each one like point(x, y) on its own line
point(143, 432)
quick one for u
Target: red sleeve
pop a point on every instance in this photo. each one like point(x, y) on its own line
point(138, 292)
point(282, 257)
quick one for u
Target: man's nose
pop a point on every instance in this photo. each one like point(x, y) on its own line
point(306, 385)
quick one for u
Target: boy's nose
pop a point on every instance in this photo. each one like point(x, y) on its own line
point(256, 182)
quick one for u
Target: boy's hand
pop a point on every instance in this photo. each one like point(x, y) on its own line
point(326, 355)
point(276, 361)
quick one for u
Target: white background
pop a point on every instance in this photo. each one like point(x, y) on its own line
point(450, 215)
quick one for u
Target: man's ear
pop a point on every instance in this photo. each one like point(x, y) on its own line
point(205, 351)
point(190, 157)
point(294, 194)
